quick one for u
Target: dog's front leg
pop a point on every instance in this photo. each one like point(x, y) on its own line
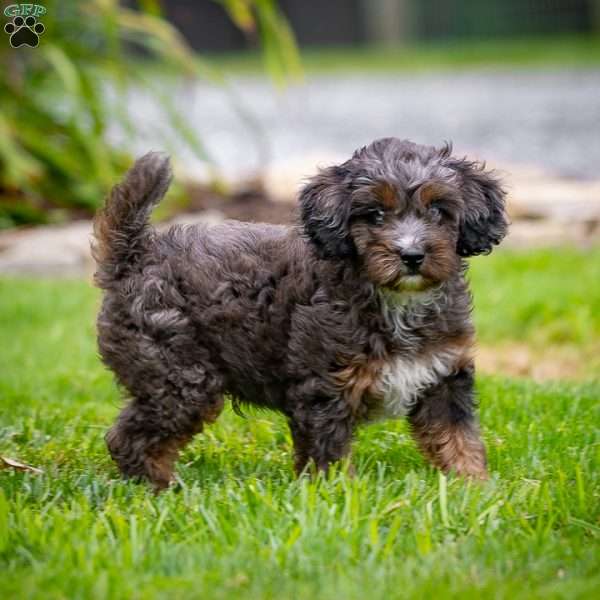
point(321, 432)
point(445, 427)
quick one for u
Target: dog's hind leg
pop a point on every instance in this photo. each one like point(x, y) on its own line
point(445, 427)
point(151, 430)
point(321, 432)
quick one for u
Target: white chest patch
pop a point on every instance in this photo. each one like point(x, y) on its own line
point(402, 380)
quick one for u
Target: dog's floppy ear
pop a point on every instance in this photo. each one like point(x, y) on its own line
point(484, 222)
point(325, 210)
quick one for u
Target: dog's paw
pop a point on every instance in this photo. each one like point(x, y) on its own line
point(24, 32)
point(470, 470)
point(158, 487)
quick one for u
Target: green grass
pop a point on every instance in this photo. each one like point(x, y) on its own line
point(545, 298)
point(550, 51)
point(241, 527)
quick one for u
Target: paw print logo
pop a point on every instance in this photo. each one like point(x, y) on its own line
point(24, 32)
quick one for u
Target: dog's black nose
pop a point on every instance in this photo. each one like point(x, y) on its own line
point(412, 258)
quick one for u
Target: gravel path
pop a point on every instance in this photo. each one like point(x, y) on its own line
point(545, 118)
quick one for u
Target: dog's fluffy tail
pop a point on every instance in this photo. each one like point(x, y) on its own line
point(121, 229)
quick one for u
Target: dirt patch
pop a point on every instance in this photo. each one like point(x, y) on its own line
point(522, 360)
point(249, 202)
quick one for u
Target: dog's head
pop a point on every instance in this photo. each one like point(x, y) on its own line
point(408, 213)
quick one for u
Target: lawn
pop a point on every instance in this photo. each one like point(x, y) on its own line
point(580, 51)
point(240, 526)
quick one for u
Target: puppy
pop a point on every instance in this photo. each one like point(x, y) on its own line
point(361, 312)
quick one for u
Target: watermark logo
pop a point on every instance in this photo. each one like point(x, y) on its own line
point(24, 29)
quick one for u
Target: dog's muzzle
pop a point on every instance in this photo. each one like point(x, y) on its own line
point(412, 259)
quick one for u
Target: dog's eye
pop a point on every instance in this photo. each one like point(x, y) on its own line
point(436, 213)
point(376, 216)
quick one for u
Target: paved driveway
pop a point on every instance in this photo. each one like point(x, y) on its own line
point(546, 118)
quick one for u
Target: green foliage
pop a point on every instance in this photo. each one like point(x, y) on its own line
point(60, 99)
point(240, 526)
point(280, 53)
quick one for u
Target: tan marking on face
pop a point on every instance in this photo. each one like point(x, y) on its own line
point(379, 250)
point(387, 194)
point(382, 262)
point(431, 191)
point(441, 260)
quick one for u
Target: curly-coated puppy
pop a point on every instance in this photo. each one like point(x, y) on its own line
point(359, 313)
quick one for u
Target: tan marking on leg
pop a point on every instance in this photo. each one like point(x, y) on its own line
point(467, 352)
point(358, 379)
point(212, 411)
point(453, 448)
point(160, 459)
point(160, 462)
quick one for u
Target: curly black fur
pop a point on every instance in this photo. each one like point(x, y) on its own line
point(330, 322)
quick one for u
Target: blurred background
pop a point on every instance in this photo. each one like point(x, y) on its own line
point(250, 96)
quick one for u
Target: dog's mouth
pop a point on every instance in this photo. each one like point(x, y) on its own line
point(412, 283)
